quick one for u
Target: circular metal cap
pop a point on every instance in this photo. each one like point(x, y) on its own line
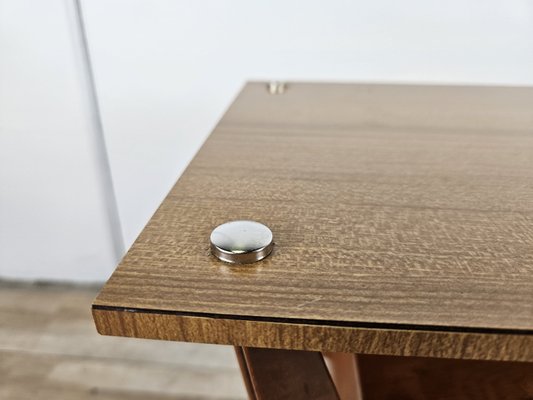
point(241, 242)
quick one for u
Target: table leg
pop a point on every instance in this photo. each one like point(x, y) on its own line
point(271, 374)
point(343, 368)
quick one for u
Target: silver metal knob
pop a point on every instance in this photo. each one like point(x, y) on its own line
point(241, 242)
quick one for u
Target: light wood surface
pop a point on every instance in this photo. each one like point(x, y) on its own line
point(402, 217)
point(49, 350)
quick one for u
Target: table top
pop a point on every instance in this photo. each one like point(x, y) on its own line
point(402, 218)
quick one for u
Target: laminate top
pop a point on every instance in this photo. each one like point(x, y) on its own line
point(395, 209)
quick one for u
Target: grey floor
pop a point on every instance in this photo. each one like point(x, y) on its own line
point(49, 349)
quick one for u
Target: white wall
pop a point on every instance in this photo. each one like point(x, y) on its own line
point(165, 71)
point(55, 210)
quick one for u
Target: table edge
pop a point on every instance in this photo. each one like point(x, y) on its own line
point(324, 323)
point(306, 335)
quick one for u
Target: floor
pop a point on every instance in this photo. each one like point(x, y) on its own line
point(49, 349)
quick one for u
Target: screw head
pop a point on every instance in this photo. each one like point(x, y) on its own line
point(241, 242)
point(276, 87)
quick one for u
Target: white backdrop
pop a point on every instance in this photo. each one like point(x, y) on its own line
point(56, 208)
point(166, 70)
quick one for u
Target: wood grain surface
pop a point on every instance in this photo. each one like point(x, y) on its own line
point(401, 212)
point(301, 336)
point(50, 351)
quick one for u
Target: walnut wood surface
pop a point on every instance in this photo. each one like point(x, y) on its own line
point(285, 375)
point(401, 212)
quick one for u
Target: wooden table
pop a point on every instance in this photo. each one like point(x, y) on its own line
point(403, 228)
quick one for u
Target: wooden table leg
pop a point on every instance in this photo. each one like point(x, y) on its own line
point(343, 369)
point(245, 373)
point(271, 374)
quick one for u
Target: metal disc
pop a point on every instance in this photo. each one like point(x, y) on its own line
point(241, 242)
